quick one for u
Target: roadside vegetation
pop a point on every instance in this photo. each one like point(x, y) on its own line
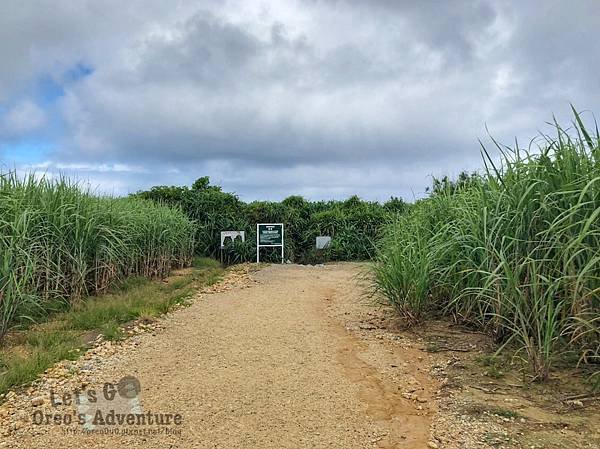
point(59, 244)
point(64, 335)
point(354, 225)
point(514, 251)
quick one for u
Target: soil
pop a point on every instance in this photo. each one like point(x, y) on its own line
point(297, 356)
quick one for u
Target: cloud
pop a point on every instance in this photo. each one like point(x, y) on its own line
point(324, 98)
point(21, 119)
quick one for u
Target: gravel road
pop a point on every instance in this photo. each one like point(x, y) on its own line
point(290, 359)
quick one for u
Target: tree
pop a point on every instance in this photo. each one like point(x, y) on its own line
point(203, 184)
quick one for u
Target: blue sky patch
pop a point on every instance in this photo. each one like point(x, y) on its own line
point(78, 72)
point(25, 152)
point(48, 90)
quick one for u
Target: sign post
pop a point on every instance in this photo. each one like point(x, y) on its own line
point(231, 235)
point(323, 242)
point(269, 235)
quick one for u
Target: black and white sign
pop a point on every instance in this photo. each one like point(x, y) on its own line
point(269, 235)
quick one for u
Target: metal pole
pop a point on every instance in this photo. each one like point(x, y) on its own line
point(282, 257)
point(257, 246)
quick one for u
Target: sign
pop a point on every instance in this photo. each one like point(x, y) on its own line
point(323, 242)
point(269, 235)
point(232, 235)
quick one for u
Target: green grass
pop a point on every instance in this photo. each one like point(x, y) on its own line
point(111, 331)
point(23, 364)
point(28, 353)
point(495, 366)
point(432, 347)
point(205, 262)
point(504, 413)
point(514, 251)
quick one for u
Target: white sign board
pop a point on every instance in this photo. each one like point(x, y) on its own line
point(232, 235)
point(323, 242)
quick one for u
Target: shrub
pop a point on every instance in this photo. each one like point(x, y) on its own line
point(354, 225)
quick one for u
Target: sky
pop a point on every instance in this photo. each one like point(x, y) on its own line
point(324, 99)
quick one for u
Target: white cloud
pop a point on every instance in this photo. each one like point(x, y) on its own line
point(22, 118)
point(322, 98)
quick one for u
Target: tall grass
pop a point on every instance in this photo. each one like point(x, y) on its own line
point(59, 243)
point(515, 251)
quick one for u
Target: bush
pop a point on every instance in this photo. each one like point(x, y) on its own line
point(354, 225)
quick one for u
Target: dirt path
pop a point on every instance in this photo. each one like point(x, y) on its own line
point(287, 362)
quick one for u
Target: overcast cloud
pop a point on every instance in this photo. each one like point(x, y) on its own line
point(319, 98)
